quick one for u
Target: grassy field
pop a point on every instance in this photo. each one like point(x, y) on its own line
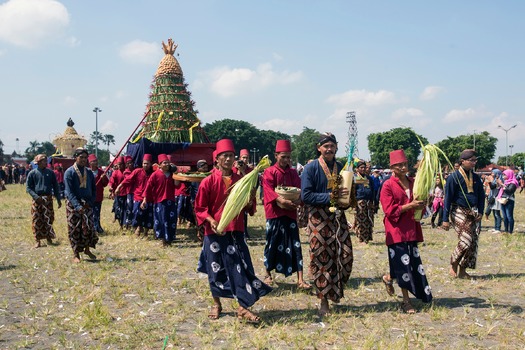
point(138, 295)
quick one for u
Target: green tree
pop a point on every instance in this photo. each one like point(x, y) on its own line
point(518, 160)
point(485, 147)
point(381, 144)
point(36, 147)
point(304, 145)
point(96, 135)
point(108, 139)
point(242, 133)
point(268, 138)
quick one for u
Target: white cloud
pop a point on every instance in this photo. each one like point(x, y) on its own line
point(277, 57)
point(29, 23)
point(431, 92)
point(138, 51)
point(69, 100)
point(120, 94)
point(411, 117)
point(458, 115)
point(288, 126)
point(109, 126)
point(402, 113)
point(370, 98)
point(228, 82)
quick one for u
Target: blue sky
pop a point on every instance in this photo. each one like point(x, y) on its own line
point(444, 68)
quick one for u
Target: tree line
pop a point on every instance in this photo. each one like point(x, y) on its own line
point(262, 142)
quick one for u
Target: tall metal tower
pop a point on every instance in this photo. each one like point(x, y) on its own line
point(352, 134)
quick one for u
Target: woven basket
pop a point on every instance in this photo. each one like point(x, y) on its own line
point(292, 195)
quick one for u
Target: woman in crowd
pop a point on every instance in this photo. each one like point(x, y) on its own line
point(508, 184)
point(493, 205)
point(437, 203)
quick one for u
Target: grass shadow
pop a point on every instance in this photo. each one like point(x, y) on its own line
point(493, 276)
point(7, 267)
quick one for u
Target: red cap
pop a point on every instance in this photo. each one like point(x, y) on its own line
point(283, 146)
point(92, 158)
point(162, 157)
point(120, 160)
point(127, 159)
point(224, 145)
point(148, 157)
point(244, 152)
point(398, 156)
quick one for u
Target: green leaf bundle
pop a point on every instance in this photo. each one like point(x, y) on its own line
point(240, 194)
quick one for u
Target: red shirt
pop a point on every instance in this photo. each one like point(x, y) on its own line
point(210, 201)
point(59, 175)
point(276, 176)
point(136, 183)
point(99, 197)
point(399, 227)
point(160, 187)
point(115, 179)
point(182, 189)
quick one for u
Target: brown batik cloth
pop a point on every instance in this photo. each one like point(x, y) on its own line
point(468, 229)
point(43, 217)
point(331, 252)
point(80, 227)
point(364, 220)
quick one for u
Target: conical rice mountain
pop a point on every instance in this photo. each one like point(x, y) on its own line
point(170, 114)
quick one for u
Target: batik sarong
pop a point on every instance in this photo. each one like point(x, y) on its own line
point(128, 210)
point(43, 217)
point(406, 267)
point(302, 216)
point(165, 220)
point(331, 254)
point(142, 217)
point(468, 228)
point(81, 231)
point(185, 208)
point(364, 220)
point(282, 252)
point(119, 206)
point(97, 207)
point(227, 262)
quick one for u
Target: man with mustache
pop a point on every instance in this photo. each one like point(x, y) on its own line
point(330, 245)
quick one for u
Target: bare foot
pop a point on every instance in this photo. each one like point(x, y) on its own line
point(76, 259)
point(37, 245)
point(324, 309)
point(462, 273)
point(453, 271)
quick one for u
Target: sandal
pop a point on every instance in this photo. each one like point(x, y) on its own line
point(268, 280)
point(303, 286)
point(215, 312)
point(407, 308)
point(91, 255)
point(248, 316)
point(388, 285)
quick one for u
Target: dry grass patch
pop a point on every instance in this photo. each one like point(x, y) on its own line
point(138, 295)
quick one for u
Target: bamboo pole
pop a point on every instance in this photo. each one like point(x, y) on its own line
point(124, 145)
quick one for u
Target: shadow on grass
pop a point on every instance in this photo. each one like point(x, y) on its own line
point(475, 303)
point(492, 276)
point(7, 267)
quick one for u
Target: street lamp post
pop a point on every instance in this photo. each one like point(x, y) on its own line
point(507, 142)
point(96, 110)
point(254, 151)
point(511, 147)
